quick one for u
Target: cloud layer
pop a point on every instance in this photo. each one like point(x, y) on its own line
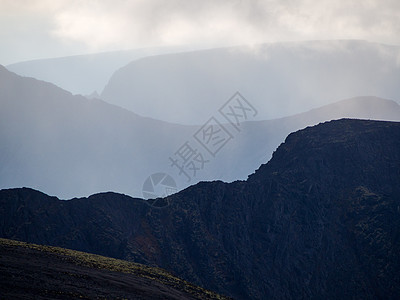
point(88, 26)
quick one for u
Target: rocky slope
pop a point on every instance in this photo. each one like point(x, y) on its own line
point(319, 220)
point(29, 271)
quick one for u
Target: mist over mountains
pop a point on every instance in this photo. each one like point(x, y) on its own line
point(84, 74)
point(200, 149)
point(279, 79)
point(316, 221)
point(72, 146)
point(60, 143)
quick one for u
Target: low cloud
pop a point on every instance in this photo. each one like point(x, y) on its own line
point(105, 23)
point(109, 25)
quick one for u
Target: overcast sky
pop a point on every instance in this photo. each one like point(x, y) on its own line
point(31, 29)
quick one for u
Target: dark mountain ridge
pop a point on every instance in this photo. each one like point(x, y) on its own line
point(319, 220)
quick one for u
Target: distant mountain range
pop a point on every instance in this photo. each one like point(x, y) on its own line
point(320, 220)
point(84, 74)
point(278, 79)
point(70, 146)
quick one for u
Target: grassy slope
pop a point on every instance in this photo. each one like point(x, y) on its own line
point(45, 272)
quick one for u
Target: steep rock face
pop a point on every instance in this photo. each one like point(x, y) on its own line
point(335, 193)
point(320, 220)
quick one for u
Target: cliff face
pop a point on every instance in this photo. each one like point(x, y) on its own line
point(336, 188)
point(320, 220)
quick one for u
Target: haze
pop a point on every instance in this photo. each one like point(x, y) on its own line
point(117, 87)
point(44, 28)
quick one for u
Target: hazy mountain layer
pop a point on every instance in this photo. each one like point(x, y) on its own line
point(277, 79)
point(62, 143)
point(70, 146)
point(320, 220)
point(84, 74)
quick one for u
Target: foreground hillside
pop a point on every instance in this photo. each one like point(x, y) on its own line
point(29, 271)
point(320, 220)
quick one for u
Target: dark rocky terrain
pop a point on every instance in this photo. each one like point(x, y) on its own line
point(320, 220)
point(29, 271)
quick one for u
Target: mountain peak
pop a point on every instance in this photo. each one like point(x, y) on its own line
point(326, 146)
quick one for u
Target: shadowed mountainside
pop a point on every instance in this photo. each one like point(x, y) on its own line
point(319, 220)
